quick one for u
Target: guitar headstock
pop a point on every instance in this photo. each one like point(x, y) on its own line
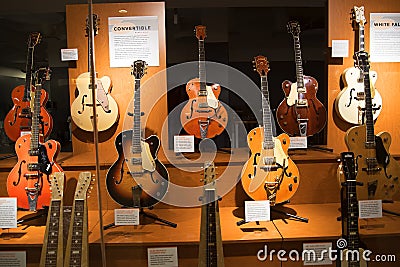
point(293, 27)
point(42, 75)
point(95, 25)
point(209, 174)
point(261, 65)
point(361, 60)
point(348, 165)
point(84, 182)
point(34, 39)
point(57, 185)
point(357, 17)
point(139, 68)
point(200, 31)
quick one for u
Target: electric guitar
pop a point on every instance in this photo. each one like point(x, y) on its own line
point(269, 174)
point(82, 106)
point(18, 119)
point(377, 170)
point(203, 116)
point(350, 213)
point(52, 249)
point(210, 249)
point(300, 113)
point(350, 102)
point(137, 165)
point(29, 180)
point(77, 249)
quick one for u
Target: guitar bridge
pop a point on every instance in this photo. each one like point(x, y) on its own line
point(302, 103)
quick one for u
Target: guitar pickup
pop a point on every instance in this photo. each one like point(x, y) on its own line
point(204, 110)
point(302, 103)
point(203, 105)
point(137, 173)
point(32, 175)
point(136, 161)
point(33, 167)
point(360, 96)
point(269, 164)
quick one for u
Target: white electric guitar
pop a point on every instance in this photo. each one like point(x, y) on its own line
point(350, 103)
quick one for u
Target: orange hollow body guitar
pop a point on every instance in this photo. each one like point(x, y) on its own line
point(29, 180)
point(203, 116)
point(300, 113)
point(18, 119)
point(269, 174)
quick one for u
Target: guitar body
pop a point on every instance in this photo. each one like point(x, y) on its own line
point(19, 117)
point(289, 111)
point(22, 177)
point(119, 181)
point(350, 102)
point(381, 182)
point(254, 168)
point(214, 115)
point(82, 106)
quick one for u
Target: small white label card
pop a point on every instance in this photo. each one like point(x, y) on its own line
point(340, 48)
point(257, 211)
point(12, 258)
point(317, 253)
point(126, 216)
point(368, 209)
point(69, 54)
point(298, 142)
point(157, 257)
point(183, 143)
point(8, 212)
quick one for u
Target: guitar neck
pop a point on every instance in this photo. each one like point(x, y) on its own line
point(34, 146)
point(299, 63)
point(28, 75)
point(52, 252)
point(202, 68)
point(369, 122)
point(267, 117)
point(361, 38)
point(77, 244)
point(137, 129)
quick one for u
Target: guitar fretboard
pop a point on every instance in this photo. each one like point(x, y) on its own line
point(34, 146)
point(202, 68)
point(299, 63)
point(77, 234)
point(137, 134)
point(267, 117)
point(369, 122)
point(52, 236)
point(361, 43)
point(28, 75)
point(212, 257)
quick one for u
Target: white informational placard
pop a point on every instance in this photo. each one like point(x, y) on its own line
point(69, 54)
point(133, 38)
point(8, 212)
point(126, 216)
point(340, 48)
point(183, 143)
point(298, 142)
point(12, 258)
point(162, 257)
point(317, 253)
point(384, 37)
point(259, 210)
point(368, 209)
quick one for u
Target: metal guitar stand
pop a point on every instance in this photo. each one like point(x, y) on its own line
point(136, 192)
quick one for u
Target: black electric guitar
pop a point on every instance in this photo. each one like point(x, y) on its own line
point(377, 170)
point(77, 250)
point(137, 162)
point(350, 213)
point(210, 249)
point(52, 249)
point(300, 113)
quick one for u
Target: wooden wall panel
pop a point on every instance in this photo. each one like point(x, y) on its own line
point(339, 28)
point(123, 83)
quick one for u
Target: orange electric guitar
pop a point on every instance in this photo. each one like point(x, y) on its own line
point(29, 180)
point(18, 119)
point(269, 174)
point(203, 116)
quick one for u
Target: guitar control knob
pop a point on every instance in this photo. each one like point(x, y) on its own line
point(290, 187)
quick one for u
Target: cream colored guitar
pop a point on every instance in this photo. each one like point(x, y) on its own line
point(52, 249)
point(350, 102)
point(77, 250)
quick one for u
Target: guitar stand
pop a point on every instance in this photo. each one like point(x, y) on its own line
point(274, 209)
point(136, 192)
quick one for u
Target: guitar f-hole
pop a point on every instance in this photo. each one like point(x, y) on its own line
point(19, 173)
